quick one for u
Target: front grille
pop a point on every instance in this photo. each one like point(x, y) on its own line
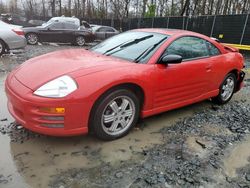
point(52, 125)
point(53, 118)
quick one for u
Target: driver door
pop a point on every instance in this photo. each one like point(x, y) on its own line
point(184, 82)
point(53, 33)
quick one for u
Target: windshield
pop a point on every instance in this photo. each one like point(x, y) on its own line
point(133, 45)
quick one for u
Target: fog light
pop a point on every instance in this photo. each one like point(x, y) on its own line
point(57, 110)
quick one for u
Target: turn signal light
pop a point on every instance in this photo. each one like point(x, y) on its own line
point(57, 110)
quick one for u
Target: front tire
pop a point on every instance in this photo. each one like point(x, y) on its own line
point(115, 114)
point(227, 89)
point(2, 48)
point(32, 38)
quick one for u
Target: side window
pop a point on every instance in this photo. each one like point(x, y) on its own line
point(56, 25)
point(213, 50)
point(188, 48)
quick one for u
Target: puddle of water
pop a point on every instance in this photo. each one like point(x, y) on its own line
point(238, 158)
point(7, 165)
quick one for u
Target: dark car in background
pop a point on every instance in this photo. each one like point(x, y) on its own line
point(58, 32)
point(15, 19)
point(103, 32)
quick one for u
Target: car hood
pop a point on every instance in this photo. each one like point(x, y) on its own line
point(38, 71)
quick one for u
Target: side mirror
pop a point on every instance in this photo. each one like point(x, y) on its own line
point(171, 59)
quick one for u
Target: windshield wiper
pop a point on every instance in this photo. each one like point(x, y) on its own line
point(148, 50)
point(126, 44)
point(114, 48)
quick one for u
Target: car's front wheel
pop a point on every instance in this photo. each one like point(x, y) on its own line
point(115, 114)
point(32, 38)
point(80, 41)
point(2, 48)
point(227, 89)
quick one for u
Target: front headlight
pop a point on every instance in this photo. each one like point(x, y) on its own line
point(57, 88)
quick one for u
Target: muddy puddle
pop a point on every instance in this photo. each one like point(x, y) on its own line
point(238, 157)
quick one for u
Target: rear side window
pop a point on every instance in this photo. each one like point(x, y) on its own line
point(213, 50)
point(189, 48)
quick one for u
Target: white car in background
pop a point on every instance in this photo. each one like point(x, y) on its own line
point(11, 37)
point(102, 32)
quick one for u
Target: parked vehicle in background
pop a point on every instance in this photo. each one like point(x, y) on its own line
point(59, 31)
point(16, 19)
point(11, 37)
point(103, 32)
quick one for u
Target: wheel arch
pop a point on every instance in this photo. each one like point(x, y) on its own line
point(135, 88)
point(235, 72)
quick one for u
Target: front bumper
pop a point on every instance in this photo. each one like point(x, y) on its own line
point(27, 112)
point(17, 42)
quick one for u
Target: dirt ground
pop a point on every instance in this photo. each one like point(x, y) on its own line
point(201, 145)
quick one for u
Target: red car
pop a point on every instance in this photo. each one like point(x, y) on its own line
point(135, 74)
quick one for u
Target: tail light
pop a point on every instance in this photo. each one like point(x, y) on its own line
point(18, 32)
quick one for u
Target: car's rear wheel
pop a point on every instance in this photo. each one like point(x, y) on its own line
point(32, 38)
point(227, 89)
point(2, 48)
point(80, 41)
point(115, 114)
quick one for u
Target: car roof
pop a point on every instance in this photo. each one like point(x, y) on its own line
point(169, 32)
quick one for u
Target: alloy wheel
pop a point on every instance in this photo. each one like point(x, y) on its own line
point(118, 115)
point(227, 88)
point(32, 39)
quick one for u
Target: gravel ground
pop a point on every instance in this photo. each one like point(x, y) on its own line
point(192, 151)
point(173, 164)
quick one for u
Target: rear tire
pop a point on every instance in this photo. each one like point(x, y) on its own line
point(115, 114)
point(2, 48)
point(227, 89)
point(80, 41)
point(32, 38)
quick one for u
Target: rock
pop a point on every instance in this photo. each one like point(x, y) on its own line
point(119, 175)
point(247, 177)
point(214, 107)
point(19, 127)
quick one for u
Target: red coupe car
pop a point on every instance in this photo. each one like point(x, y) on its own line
point(135, 74)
